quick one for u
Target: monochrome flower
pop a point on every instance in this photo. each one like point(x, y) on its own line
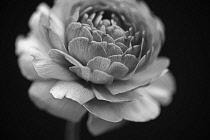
point(96, 56)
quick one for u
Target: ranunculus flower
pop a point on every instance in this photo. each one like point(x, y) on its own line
point(97, 56)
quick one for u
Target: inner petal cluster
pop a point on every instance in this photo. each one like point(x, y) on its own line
point(103, 41)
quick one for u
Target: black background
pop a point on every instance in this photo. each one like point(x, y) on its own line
point(186, 117)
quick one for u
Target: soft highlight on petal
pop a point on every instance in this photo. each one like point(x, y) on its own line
point(139, 110)
point(162, 89)
point(72, 90)
point(62, 108)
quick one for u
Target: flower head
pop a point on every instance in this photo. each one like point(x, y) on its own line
point(99, 56)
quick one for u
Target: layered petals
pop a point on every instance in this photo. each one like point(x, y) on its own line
point(48, 69)
point(96, 56)
point(140, 79)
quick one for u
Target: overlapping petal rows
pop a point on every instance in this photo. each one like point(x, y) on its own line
point(100, 54)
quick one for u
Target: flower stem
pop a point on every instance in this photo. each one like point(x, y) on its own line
point(72, 131)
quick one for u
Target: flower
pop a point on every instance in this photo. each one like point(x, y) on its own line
point(96, 56)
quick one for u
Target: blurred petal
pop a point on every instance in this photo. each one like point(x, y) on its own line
point(139, 110)
point(63, 108)
point(152, 72)
point(104, 110)
point(98, 126)
point(72, 90)
point(27, 68)
point(62, 8)
point(23, 44)
point(37, 22)
point(162, 89)
point(57, 25)
point(46, 68)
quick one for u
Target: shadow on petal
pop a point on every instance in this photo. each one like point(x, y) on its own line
point(103, 109)
point(98, 126)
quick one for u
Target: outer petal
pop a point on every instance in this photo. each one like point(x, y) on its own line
point(62, 8)
point(72, 90)
point(46, 68)
point(103, 93)
point(57, 25)
point(140, 110)
point(162, 89)
point(35, 24)
point(25, 59)
point(97, 126)
point(27, 68)
point(64, 108)
point(104, 110)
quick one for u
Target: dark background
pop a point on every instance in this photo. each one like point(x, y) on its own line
point(187, 116)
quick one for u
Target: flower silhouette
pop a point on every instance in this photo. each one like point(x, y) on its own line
point(96, 56)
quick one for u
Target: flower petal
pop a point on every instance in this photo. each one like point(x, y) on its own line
point(113, 49)
point(56, 55)
point(122, 46)
point(117, 70)
point(139, 110)
point(72, 90)
point(99, 63)
point(97, 77)
point(64, 108)
point(102, 93)
point(162, 89)
point(98, 126)
point(130, 61)
point(38, 21)
point(27, 68)
point(46, 68)
point(83, 50)
point(104, 110)
point(57, 26)
point(152, 72)
point(107, 38)
point(23, 46)
point(75, 29)
point(56, 41)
